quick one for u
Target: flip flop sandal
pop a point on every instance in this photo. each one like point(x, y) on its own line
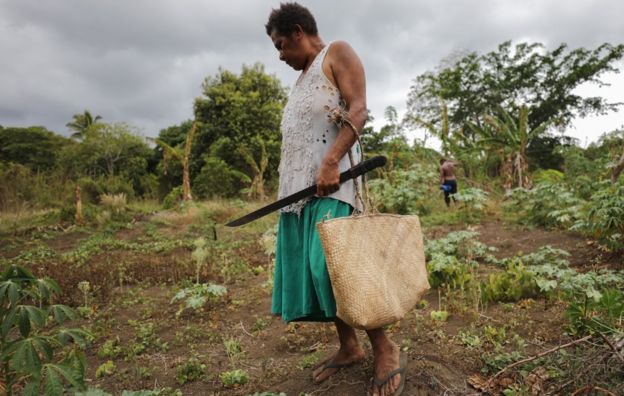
point(331, 365)
point(401, 370)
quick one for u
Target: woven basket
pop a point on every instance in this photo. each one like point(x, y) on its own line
point(376, 264)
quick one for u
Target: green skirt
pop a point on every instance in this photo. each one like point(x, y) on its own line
point(301, 287)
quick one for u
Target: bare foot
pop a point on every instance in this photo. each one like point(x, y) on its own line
point(344, 357)
point(387, 359)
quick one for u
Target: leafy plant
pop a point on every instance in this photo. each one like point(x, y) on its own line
point(308, 361)
point(27, 346)
point(514, 283)
point(191, 370)
point(605, 217)
point(495, 362)
point(110, 349)
point(469, 339)
point(439, 316)
point(199, 255)
point(546, 205)
point(145, 338)
point(234, 378)
point(606, 315)
point(196, 296)
point(232, 348)
point(444, 269)
point(472, 202)
point(404, 191)
point(106, 369)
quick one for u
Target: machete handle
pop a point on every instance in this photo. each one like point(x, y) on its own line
point(363, 167)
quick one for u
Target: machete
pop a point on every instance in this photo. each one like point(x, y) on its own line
point(356, 171)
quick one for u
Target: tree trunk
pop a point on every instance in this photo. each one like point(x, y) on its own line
point(186, 176)
point(79, 218)
point(617, 169)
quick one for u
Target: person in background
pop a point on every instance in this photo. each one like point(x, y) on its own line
point(448, 180)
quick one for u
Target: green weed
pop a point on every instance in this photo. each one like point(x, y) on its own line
point(234, 378)
point(189, 371)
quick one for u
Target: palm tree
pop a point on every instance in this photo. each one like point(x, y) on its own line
point(81, 124)
point(256, 190)
point(509, 138)
point(181, 154)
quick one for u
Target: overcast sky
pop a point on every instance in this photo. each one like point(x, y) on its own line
point(143, 61)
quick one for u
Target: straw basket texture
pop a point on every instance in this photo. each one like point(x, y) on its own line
point(376, 264)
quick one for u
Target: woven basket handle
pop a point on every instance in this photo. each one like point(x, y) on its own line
point(340, 117)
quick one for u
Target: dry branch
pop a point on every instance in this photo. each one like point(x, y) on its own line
point(539, 355)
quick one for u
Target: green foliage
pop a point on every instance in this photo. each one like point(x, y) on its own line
point(82, 123)
point(588, 316)
point(508, 138)
point(513, 284)
point(548, 176)
point(546, 205)
point(199, 256)
point(145, 339)
point(232, 348)
point(236, 111)
point(231, 379)
point(448, 270)
point(28, 345)
point(404, 191)
point(474, 85)
point(309, 361)
point(173, 198)
point(108, 150)
point(196, 296)
point(218, 179)
point(110, 349)
point(469, 339)
point(605, 217)
point(472, 201)
point(34, 147)
point(439, 316)
point(497, 361)
point(105, 369)
point(22, 188)
point(462, 245)
point(189, 371)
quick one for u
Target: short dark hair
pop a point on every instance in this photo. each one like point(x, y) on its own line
point(284, 19)
point(442, 160)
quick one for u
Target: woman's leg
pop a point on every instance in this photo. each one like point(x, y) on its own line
point(386, 359)
point(350, 352)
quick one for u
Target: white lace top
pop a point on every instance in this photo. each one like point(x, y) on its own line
point(308, 134)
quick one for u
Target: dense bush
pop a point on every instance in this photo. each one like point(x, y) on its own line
point(546, 205)
point(404, 191)
point(605, 216)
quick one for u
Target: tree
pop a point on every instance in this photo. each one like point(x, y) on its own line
point(509, 137)
point(108, 149)
point(545, 151)
point(234, 110)
point(82, 123)
point(544, 81)
point(34, 147)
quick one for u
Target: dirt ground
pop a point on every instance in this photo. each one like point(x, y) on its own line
point(278, 357)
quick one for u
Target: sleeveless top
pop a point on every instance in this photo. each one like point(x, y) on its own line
point(308, 134)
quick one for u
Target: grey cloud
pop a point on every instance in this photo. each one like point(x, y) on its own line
point(143, 61)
